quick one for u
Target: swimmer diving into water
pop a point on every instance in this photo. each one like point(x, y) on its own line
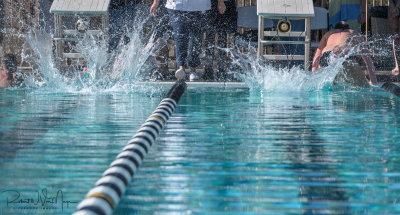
point(338, 42)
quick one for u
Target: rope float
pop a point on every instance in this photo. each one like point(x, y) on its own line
point(393, 88)
point(108, 190)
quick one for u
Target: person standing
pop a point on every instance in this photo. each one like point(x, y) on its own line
point(120, 18)
point(187, 18)
point(162, 33)
point(220, 26)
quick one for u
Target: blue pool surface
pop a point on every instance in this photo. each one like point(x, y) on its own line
point(222, 152)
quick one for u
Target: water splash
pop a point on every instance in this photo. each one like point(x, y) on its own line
point(37, 52)
point(118, 70)
point(259, 74)
point(121, 69)
point(262, 75)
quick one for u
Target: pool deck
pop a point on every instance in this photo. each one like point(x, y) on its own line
point(385, 75)
point(382, 76)
point(196, 84)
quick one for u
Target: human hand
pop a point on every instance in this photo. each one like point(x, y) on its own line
point(314, 68)
point(153, 8)
point(395, 71)
point(221, 7)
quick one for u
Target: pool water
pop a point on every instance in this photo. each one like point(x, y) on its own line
point(222, 152)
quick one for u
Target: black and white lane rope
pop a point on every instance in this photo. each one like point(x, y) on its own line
point(108, 190)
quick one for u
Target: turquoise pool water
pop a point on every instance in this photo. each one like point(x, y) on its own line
point(222, 152)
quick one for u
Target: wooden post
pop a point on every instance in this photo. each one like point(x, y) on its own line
point(11, 30)
point(260, 35)
point(29, 12)
point(1, 24)
point(307, 43)
point(58, 34)
point(366, 20)
point(5, 25)
point(105, 27)
point(20, 16)
point(37, 12)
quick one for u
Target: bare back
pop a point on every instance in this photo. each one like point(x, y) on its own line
point(337, 39)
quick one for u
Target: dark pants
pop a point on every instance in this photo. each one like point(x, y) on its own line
point(187, 31)
point(163, 32)
point(220, 25)
point(120, 20)
point(220, 53)
point(162, 28)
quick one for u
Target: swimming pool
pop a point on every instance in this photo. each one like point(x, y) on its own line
point(222, 151)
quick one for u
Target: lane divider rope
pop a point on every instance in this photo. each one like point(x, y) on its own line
point(108, 190)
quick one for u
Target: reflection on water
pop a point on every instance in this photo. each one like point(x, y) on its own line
point(32, 125)
point(62, 142)
point(239, 152)
point(221, 152)
point(317, 177)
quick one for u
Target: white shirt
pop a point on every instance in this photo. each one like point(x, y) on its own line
point(189, 5)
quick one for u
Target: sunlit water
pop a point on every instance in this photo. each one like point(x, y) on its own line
point(221, 152)
point(290, 144)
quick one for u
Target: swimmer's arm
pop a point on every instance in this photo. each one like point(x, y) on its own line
point(316, 60)
point(370, 68)
point(318, 52)
point(367, 59)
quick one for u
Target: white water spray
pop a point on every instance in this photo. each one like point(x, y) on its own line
point(260, 74)
point(115, 71)
point(121, 69)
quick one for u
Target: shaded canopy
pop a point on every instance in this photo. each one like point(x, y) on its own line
point(80, 6)
point(285, 8)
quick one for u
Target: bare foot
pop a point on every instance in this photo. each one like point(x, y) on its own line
point(395, 71)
